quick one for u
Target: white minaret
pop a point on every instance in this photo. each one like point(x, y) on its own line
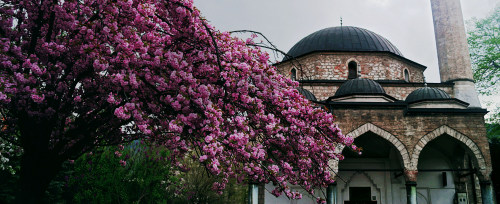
point(453, 53)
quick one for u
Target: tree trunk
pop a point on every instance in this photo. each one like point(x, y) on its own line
point(37, 170)
point(38, 165)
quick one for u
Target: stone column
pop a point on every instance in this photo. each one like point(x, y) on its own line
point(331, 194)
point(487, 192)
point(411, 192)
point(453, 52)
point(262, 192)
point(411, 186)
point(253, 193)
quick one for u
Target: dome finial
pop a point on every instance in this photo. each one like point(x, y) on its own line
point(341, 21)
point(425, 82)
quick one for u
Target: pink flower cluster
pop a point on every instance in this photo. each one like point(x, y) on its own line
point(123, 163)
point(123, 70)
point(118, 154)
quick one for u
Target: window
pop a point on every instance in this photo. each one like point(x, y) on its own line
point(353, 70)
point(407, 76)
point(293, 74)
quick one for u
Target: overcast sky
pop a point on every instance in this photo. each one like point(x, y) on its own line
point(406, 23)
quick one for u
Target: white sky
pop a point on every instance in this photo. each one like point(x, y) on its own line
point(406, 23)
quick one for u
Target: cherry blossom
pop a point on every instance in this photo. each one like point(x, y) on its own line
point(78, 74)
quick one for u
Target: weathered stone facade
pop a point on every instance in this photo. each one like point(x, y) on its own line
point(439, 140)
point(375, 66)
point(323, 90)
point(401, 91)
point(409, 133)
point(323, 73)
point(407, 127)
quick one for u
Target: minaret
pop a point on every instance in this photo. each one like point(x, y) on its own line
point(453, 53)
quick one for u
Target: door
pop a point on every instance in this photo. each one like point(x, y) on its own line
point(360, 195)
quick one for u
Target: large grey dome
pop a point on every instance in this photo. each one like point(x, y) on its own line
point(342, 38)
point(427, 93)
point(359, 86)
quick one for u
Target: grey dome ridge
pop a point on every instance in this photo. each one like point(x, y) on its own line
point(359, 86)
point(427, 93)
point(342, 38)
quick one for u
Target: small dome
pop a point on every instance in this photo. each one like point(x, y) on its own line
point(427, 93)
point(306, 93)
point(359, 86)
point(342, 39)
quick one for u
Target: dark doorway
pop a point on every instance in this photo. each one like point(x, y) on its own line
point(360, 195)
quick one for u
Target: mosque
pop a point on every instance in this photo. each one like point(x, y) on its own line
point(422, 142)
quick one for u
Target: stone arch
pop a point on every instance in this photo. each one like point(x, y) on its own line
point(362, 173)
point(403, 152)
point(481, 162)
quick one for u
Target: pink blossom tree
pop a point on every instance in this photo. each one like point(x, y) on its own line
point(76, 74)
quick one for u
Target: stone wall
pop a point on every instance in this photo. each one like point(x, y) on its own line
point(401, 91)
point(323, 73)
point(328, 66)
point(397, 90)
point(415, 131)
point(322, 91)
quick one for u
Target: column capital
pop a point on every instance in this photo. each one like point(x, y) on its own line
point(411, 175)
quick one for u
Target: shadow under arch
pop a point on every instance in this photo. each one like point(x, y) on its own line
point(369, 127)
point(466, 141)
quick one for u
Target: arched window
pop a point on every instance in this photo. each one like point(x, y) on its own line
point(353, 70)
point(293, 74)
point(407, 76)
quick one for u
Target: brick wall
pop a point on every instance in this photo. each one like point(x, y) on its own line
point(401, 91)
point(413, 131)
point(397, 90)
point(409, 129)
point(376, 66)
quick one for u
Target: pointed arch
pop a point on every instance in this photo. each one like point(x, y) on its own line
point(481, 162)
point(363, 174)
point(403, 152)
